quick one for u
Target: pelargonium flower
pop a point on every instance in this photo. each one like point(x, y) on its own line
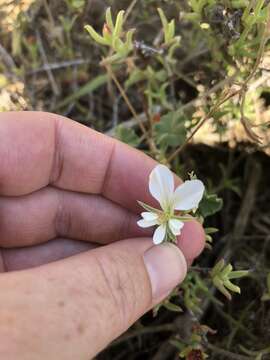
point(175, 204)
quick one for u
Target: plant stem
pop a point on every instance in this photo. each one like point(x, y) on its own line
point(228, 354)
point(144, 331)
point(151, 143)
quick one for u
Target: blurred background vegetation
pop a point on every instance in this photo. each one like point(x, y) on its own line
point(192, 90)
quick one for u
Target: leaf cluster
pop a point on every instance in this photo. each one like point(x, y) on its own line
point(222, 275)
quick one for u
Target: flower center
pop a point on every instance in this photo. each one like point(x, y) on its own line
point(165, 216)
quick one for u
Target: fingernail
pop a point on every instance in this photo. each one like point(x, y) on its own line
point(167, 267)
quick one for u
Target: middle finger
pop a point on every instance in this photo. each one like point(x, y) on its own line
point(49, 213)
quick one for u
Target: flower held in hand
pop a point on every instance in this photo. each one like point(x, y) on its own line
point(175, 204)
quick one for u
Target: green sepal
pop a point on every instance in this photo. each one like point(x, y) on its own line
point(149, 208)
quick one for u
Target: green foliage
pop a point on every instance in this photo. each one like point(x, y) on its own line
point(112, 36)
point(168, 28)
point(194, 288)
point(170, 131)
point(194, 348)
point(168, 304)
point(76, 4)
point(208, 233)
point(172, 307)
point(210, 204)
point(232, 23)
point(222, 275)
point(87, 89)
point(127, 135)
point(214, 50)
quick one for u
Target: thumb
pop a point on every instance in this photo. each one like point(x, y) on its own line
point(73, 308)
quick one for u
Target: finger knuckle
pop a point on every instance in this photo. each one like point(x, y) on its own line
point(63, 218)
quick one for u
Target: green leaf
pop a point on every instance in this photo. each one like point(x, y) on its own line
point(149, 208)
point(163, 19)
point(135, 76)
point(172, 307)
point(238, 274)
point(220, 286)
point(118, 24)
point(129, 40)
point(98, 38)
point(88, 88)
point(210, 204)
point(232, 287)
point(127, 135)
point(218, 267)
point(109, 20)
point(170, 131)
point(226, 271)
point(221, 275)
point(76, 4)
point(210, 230)
point(168, 27)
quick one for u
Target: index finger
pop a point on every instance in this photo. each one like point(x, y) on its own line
point(38, 149)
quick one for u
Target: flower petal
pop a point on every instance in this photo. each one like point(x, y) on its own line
point(149, 216)
point(159, 234)
point(145, 223)
point(176, 226)
point(161, 185)
point(188, 195)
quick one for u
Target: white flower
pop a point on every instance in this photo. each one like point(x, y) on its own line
point(185, 197)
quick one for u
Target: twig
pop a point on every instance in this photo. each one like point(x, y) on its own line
point(115, 117)
point(145, 330)
point(239, 324)
point(129, 124)
point(236, 324)
point(60, 65)
point(49, 13)
point(263, 43)
point(7, 59)
point(189, 58)
point(184, 324)
point(256, 353)
point(196, 103)
point(248, 200)
point(166, 351)
point(201, 123)
point(201, 270)
point(151, 143)
point(228, 354)
point(244, 120)
point(242, 91)
point(45, 61)
point(129, 9)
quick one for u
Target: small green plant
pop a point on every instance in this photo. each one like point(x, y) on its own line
point(178, 72)
point(232, 33)
point(222, 275)
point(112, 36)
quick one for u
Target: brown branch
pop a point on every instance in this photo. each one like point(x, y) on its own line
point(227, 353)
point(42, 52)
point(202, 122)
point(144, 331)
point(249, 200)
point(150, 142)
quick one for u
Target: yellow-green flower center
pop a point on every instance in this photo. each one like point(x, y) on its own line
point(165, 217)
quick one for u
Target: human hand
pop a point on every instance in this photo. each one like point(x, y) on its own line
point(65, 189)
